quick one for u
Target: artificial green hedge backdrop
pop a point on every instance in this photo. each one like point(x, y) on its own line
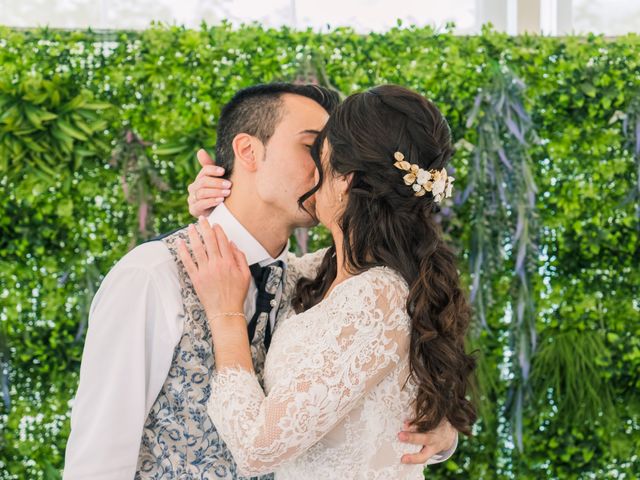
point(98, 134)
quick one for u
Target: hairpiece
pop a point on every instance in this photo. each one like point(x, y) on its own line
point(422, 181)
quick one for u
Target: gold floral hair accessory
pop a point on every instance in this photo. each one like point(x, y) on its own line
point(422, 181)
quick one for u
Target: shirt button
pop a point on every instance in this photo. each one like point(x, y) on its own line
point(273, 303)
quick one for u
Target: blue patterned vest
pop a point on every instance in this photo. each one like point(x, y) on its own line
point(179, 441)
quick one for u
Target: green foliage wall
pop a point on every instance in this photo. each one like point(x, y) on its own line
point(98, 135)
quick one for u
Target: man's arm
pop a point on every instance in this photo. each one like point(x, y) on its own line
point(127, 355)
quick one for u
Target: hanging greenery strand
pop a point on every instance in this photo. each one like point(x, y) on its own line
point(503, 192)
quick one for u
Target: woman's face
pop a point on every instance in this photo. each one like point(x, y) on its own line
point(329, 208)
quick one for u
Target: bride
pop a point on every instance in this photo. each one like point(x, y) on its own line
point(377, 336)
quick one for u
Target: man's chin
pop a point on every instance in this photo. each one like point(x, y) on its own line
point(314, 223)
point(308, 217)
point(309, 222)
point(310, 214)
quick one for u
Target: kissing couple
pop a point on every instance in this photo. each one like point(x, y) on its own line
point(214, 353)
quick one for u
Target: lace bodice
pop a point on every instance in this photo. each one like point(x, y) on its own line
point(334, 379)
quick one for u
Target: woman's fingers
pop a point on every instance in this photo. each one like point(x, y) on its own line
point(209, 237)
point(203, 207)
point(205, 193)
point(196, 246)
point(419, 458)
point(185, 258)
point(208, 190)
point(204, 158)
point(223, 243)
point(210, 171)
point(241, 259)
point(207, 183)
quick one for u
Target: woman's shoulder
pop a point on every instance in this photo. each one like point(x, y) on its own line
point(375, 298)
point(383, 278)
point(383, 286)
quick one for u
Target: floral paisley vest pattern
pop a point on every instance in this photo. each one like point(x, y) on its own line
point(179, 440)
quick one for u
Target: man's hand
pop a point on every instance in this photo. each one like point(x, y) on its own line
point(436, 441)
point(208, 190)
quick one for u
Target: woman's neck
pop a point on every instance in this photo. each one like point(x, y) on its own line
point(342, 272)
point(338, 240)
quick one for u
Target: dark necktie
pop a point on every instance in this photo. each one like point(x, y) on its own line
point(267, 280)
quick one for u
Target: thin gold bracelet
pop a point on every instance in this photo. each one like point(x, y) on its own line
point(228, 314)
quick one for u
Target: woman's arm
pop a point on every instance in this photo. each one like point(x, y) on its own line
point(363, 341)
point(220, 276)
point(363, 334)
point(232, 346)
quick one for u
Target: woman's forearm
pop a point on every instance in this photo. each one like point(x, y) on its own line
point(230, 341)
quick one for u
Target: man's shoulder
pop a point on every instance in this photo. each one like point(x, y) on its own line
point(146, 273)
point(307, 265)
point(153, 257)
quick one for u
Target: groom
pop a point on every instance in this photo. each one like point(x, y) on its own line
point(140, 409)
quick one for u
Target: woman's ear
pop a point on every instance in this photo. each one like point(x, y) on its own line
point(344, 183)
point(247, 150)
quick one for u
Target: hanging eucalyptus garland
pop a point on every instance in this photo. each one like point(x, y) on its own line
point(631, 131)
point(503, 195)
point(4, 371)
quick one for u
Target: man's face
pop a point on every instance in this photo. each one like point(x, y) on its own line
point(287, 171)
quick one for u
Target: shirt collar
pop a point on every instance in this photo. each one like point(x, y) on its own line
point(246, 242)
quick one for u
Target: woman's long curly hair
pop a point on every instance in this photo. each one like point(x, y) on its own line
point(385, 224)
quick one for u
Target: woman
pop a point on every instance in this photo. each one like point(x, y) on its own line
point(377, 336)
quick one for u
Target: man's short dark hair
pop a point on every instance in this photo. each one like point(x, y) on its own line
point(257, 110)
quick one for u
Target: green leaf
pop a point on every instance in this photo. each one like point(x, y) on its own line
point(588, 89)
point(97, 106)
point(38, 116)
point(67, 129)
point(65, 208)
point(170, 149)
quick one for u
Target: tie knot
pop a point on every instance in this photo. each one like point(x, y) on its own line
point(267, 278)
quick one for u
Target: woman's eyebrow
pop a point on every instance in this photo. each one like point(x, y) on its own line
point(307, 132)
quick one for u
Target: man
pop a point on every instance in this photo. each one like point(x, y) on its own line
point(140, 409)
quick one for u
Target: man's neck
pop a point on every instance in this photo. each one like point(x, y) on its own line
point(261, 223)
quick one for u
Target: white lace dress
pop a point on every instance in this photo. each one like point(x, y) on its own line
point(334, 400)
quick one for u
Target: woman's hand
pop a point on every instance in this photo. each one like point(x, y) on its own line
point(208, 190)
point(220, 274)
point(443, 439)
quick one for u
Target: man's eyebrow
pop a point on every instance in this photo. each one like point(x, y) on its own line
point(312, 132)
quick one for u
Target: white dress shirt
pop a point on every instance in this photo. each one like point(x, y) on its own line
point(136, 321)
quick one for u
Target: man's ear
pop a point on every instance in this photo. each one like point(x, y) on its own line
point(248, 150)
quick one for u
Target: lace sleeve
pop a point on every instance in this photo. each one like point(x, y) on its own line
point(363, 333)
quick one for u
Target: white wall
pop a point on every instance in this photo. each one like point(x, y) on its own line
point(136, 14)
point(611, 17)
